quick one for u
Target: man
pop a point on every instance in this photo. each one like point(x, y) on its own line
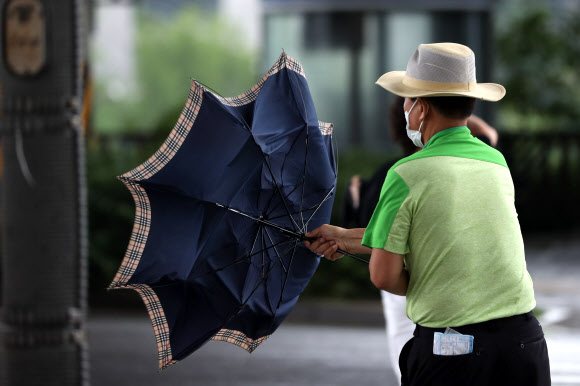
point(445, 234)
point(362, 197)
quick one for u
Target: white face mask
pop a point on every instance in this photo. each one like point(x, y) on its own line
point(414, 135)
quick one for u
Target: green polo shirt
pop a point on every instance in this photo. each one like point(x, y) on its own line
point(449, 209)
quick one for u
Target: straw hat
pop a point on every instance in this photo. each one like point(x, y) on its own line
point(440, 69)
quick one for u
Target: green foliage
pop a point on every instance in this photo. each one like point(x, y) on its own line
point(539, 56)
point(170, 51)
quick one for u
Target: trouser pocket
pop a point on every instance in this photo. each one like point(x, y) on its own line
point(403, 361)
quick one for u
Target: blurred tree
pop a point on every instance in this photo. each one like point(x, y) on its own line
point(170, 51)
point(538, 52)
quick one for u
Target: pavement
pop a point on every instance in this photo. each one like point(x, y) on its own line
point(123, 352)
point(331, 343)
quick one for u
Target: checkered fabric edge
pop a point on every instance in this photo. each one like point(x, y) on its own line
point(284, 61)
point(159, 323)
point(139, 235)
point(325, 128)
point(175, 139)
point(239, 339)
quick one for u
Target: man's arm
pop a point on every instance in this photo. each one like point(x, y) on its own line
point(479, 127)
point(386, 268)
point(388, 272)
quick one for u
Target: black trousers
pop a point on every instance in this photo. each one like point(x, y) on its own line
point(508, 351)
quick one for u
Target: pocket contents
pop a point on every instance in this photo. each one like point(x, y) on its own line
point(452, 344)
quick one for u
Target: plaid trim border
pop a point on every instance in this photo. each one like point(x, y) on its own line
point(139, 234)
point(159, 323)
point(325, 127)
point(155, 163)
point(239, 339)
point(284, 61)
point(175, 139)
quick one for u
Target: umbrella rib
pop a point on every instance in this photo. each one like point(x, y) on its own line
point(285, 281)
point(238, 260)
point(305, 210)
point(251, 293)
point(276, 206)
point(265, 222)
point(277, 186)
point(306, 150)
point(283, 215)
point(297, 185)
point(304, 180)
point(254, 243)
point(263, 250)
point(288, 249)
point(276, 251)
point(318, 207)
point(269, 203)
point(258, 285)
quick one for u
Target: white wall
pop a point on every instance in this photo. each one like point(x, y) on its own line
point(113, 47)
point(247, 14)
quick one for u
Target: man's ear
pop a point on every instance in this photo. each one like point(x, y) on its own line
point(424, 109)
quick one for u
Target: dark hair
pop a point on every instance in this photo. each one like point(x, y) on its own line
point(454, 107)
point(397, 125)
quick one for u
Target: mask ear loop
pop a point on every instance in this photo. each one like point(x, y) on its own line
point(411, 109)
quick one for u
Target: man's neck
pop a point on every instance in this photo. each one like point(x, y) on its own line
point(437, 123)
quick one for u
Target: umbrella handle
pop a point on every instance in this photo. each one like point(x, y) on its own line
point(345, 253)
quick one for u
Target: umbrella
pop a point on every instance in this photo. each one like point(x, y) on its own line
point(216, 250)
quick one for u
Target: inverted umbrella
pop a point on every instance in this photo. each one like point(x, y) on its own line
point(221, 210)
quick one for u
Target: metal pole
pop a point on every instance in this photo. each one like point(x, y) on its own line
point(43, 199)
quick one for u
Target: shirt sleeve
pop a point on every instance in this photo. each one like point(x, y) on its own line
point(389, 226)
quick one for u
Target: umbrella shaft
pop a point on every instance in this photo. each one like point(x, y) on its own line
point(299, 236)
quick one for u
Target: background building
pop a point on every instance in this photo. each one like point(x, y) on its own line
point(345, 46)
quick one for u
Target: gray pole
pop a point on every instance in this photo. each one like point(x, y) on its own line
point(42, 201)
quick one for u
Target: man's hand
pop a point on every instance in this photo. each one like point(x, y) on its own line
point(330, 238)
point(328, 241)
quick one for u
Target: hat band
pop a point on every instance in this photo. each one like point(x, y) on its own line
point(438, 86)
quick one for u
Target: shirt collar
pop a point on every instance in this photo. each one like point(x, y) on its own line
point(445, 133)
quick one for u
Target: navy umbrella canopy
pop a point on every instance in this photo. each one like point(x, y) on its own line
point(221, 210)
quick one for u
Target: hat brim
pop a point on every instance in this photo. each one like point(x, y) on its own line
point(393, 82)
